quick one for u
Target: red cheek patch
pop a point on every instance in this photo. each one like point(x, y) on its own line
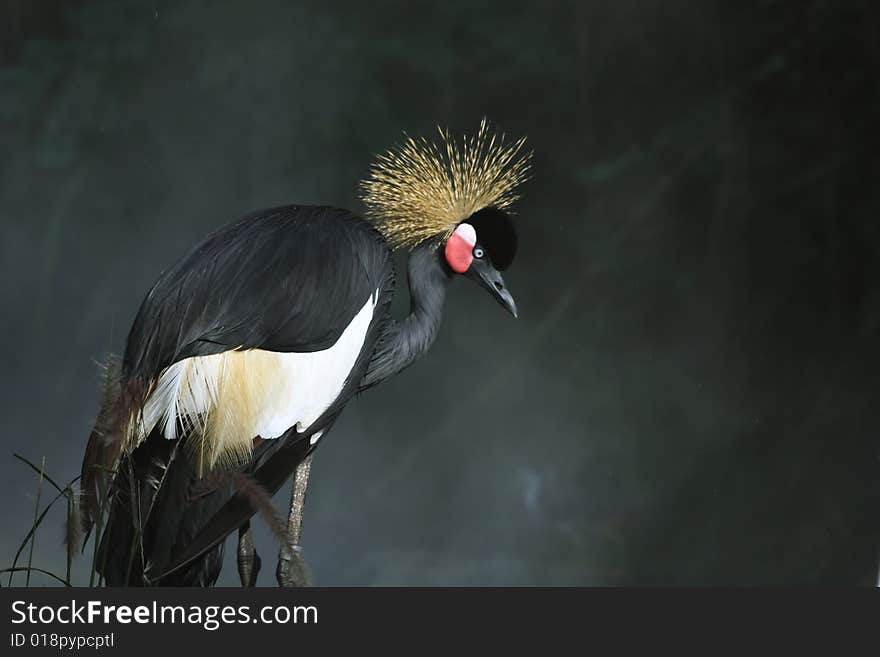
point(459, 248)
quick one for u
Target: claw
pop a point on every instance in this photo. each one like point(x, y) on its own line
point(249, 561)
point(292, 570)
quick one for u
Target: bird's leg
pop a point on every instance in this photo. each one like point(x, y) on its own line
point(291, 569)
point(248, 560)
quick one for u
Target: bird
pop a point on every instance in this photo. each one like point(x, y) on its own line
point(244, 353)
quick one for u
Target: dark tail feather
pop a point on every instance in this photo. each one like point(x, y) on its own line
point(143, 496)
point(103, 448)
point(154, 512)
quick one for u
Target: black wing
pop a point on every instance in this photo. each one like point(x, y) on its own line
point(285, 279)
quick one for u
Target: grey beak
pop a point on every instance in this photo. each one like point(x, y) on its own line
point(506, 300)
point(489, 277)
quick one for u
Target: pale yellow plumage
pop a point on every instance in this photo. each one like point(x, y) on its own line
point(223, 401)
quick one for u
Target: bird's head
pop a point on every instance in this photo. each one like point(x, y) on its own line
point(480, 248)
point(456, 195)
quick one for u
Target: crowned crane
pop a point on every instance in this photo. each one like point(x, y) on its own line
point(245, 352)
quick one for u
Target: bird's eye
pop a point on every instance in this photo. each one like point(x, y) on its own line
point(478, 252)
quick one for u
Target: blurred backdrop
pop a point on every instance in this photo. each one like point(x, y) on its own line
point(690, 393)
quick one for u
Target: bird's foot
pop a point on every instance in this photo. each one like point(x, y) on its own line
point(292, 570)
point(249, 561)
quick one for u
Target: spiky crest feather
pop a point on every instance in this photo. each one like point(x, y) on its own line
point(423, 190)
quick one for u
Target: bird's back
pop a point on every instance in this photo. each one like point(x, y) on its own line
point(286, 279)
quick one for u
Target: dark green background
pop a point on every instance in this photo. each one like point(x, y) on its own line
point(689, 395)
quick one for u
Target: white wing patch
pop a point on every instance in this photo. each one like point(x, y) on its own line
point(230, 398)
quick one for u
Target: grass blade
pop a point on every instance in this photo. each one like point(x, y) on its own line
point(39, 471)
point(98, 529)
point(27, 579)
point(68, 534)
point(30, 534)
point(30, 569)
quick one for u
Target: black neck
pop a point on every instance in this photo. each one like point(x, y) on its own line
point(405, 340)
